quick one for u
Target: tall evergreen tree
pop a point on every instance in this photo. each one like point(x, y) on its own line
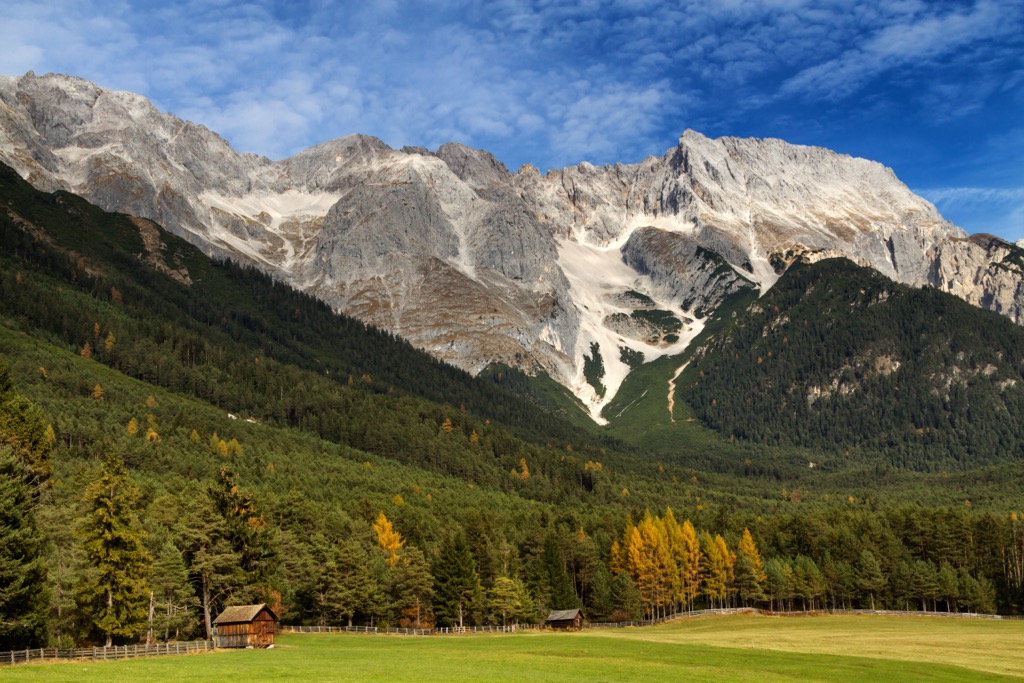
point(213, 564)
point(115, 594)
point(354, 586)
point(24, 597)
point(627, 604)
point(173, 603)
point(552, 570)
point(412, 588)
point(247, 531)
point(24, 470)
point(870, 579)
point(508, 600)
point(456, 584)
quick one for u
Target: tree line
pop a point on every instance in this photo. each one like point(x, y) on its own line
point(124, 556)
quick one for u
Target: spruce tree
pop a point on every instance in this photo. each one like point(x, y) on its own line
point(115, 594)
point(24, 470)
point(627, 604)
point(24, 596)
point(456, 584)
point(557, 579)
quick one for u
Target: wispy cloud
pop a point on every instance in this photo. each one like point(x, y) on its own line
point(917, 38)
point(996, 210)
point(550, 83)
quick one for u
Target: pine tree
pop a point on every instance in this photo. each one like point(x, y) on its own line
point(213, 564)
point(24, 472)
point(870, 579)
point(23, 430)
point(115, 595)
point(778, 582)
point(247, 530)
point(509, 600)
point(948, 586)
point(412, 587)
point(173, 602)
point(24, 595)
point(456, 585)
point(354, 585)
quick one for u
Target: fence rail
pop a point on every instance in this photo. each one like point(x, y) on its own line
point(626, 624)
point(100, 653)
point(161, 649)
point(374, 630)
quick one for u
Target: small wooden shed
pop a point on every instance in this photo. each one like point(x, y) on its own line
point(565, 619)
point(246, 626)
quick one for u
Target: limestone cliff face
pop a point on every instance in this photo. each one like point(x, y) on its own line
point(983, 270)
point(479, 265)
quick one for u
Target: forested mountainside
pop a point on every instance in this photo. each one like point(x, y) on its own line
point(342, 476)
point(231, 335)
point(844, 361)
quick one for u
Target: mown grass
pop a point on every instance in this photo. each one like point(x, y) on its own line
point(740, 648)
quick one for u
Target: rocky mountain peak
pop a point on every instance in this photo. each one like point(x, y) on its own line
point(580, 273)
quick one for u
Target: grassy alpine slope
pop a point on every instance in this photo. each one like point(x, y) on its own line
point(732, 648)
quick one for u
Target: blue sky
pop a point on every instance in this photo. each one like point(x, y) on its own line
point(933, 89)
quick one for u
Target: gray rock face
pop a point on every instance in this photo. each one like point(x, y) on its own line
point(983, 270)
point(478, 265)
point(694, 277)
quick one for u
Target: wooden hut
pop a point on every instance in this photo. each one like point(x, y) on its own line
point(565, 619)
point(246, 626)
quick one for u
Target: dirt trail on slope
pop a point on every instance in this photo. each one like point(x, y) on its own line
point(672, 392)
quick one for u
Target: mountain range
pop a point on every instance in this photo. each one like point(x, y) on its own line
point(583, 273)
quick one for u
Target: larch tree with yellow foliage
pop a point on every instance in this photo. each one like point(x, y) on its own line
point(388, 538)
point(750, 575)
point(691, 570)
point(684, 548)
point(716, 574)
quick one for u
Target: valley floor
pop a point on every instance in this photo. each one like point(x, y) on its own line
point(727, 648)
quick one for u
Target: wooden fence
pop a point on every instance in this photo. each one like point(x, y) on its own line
point(131, 651)
point(112, 652)
point(623, 624)
point(409, 631)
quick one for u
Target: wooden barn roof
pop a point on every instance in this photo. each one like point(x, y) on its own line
point(241, 614)
point(564, 614)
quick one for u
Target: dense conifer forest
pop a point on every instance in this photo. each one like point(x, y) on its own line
point(230, 441)
point(838, 358)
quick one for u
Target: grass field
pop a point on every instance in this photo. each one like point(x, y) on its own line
point(731, 648)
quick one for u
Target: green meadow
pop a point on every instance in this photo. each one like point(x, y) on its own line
point(728, 648)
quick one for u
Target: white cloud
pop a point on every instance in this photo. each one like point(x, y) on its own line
point(910, 40)
point(536, 81)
